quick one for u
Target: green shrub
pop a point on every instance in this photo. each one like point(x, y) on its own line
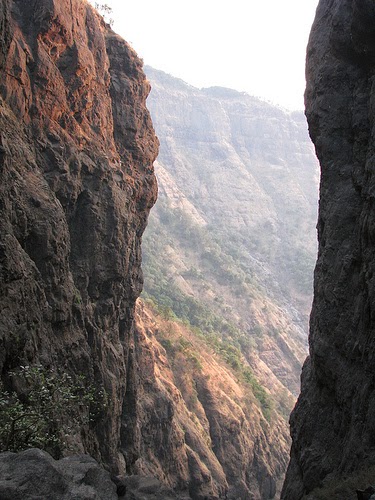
point(265, 400)
point(168, 346)
point(47, 408)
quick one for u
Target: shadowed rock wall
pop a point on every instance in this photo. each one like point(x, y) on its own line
point(332, 425)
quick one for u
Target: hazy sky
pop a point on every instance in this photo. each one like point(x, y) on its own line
point(257, 46)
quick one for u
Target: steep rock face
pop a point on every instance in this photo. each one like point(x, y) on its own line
point(333, 424)
point(76, 185)
point(195, 424)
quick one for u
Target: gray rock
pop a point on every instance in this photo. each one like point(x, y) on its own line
point(35, 475)
point(147, 488)
point(333, 425)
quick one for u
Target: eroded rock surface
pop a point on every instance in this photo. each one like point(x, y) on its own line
point(76, 186)
point(333, 423)
point(195, 425)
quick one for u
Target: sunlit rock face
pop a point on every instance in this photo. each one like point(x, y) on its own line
point(76, 186)
point(196, 425)
point(333, 424)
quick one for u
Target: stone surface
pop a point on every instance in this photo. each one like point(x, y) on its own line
point(332, 425)
point(195, 425)
point(33, 474)
point(76, 186)
point(149, 488)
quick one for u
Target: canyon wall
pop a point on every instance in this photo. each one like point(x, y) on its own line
point(237, 207)
point(332, 425)
point(76, 186)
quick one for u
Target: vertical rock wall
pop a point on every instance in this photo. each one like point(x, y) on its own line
point(76, 185)
point(332, 425)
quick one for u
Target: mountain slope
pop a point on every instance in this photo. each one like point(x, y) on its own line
point(230, 244)
point(219, 442)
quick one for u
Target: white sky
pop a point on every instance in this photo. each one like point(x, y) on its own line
point(256, 46)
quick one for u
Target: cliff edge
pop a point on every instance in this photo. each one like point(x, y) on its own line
point(332, 425)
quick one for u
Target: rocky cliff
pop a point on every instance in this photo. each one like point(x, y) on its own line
point(332, 425)
point(76, 186)
point(197, 424)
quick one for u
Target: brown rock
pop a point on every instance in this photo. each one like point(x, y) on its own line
point(75, 190)
point(194, 425)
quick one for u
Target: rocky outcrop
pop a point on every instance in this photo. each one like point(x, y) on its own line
point(332, 425)
point(35, 474)
point(76, 186)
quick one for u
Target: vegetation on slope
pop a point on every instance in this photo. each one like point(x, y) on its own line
point(205, 312)
point(230, 247)
point(47, 411)
point(191, 350)
point(219, 412)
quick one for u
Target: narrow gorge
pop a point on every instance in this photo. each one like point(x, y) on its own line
point(184, 392)
point(107, 382)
